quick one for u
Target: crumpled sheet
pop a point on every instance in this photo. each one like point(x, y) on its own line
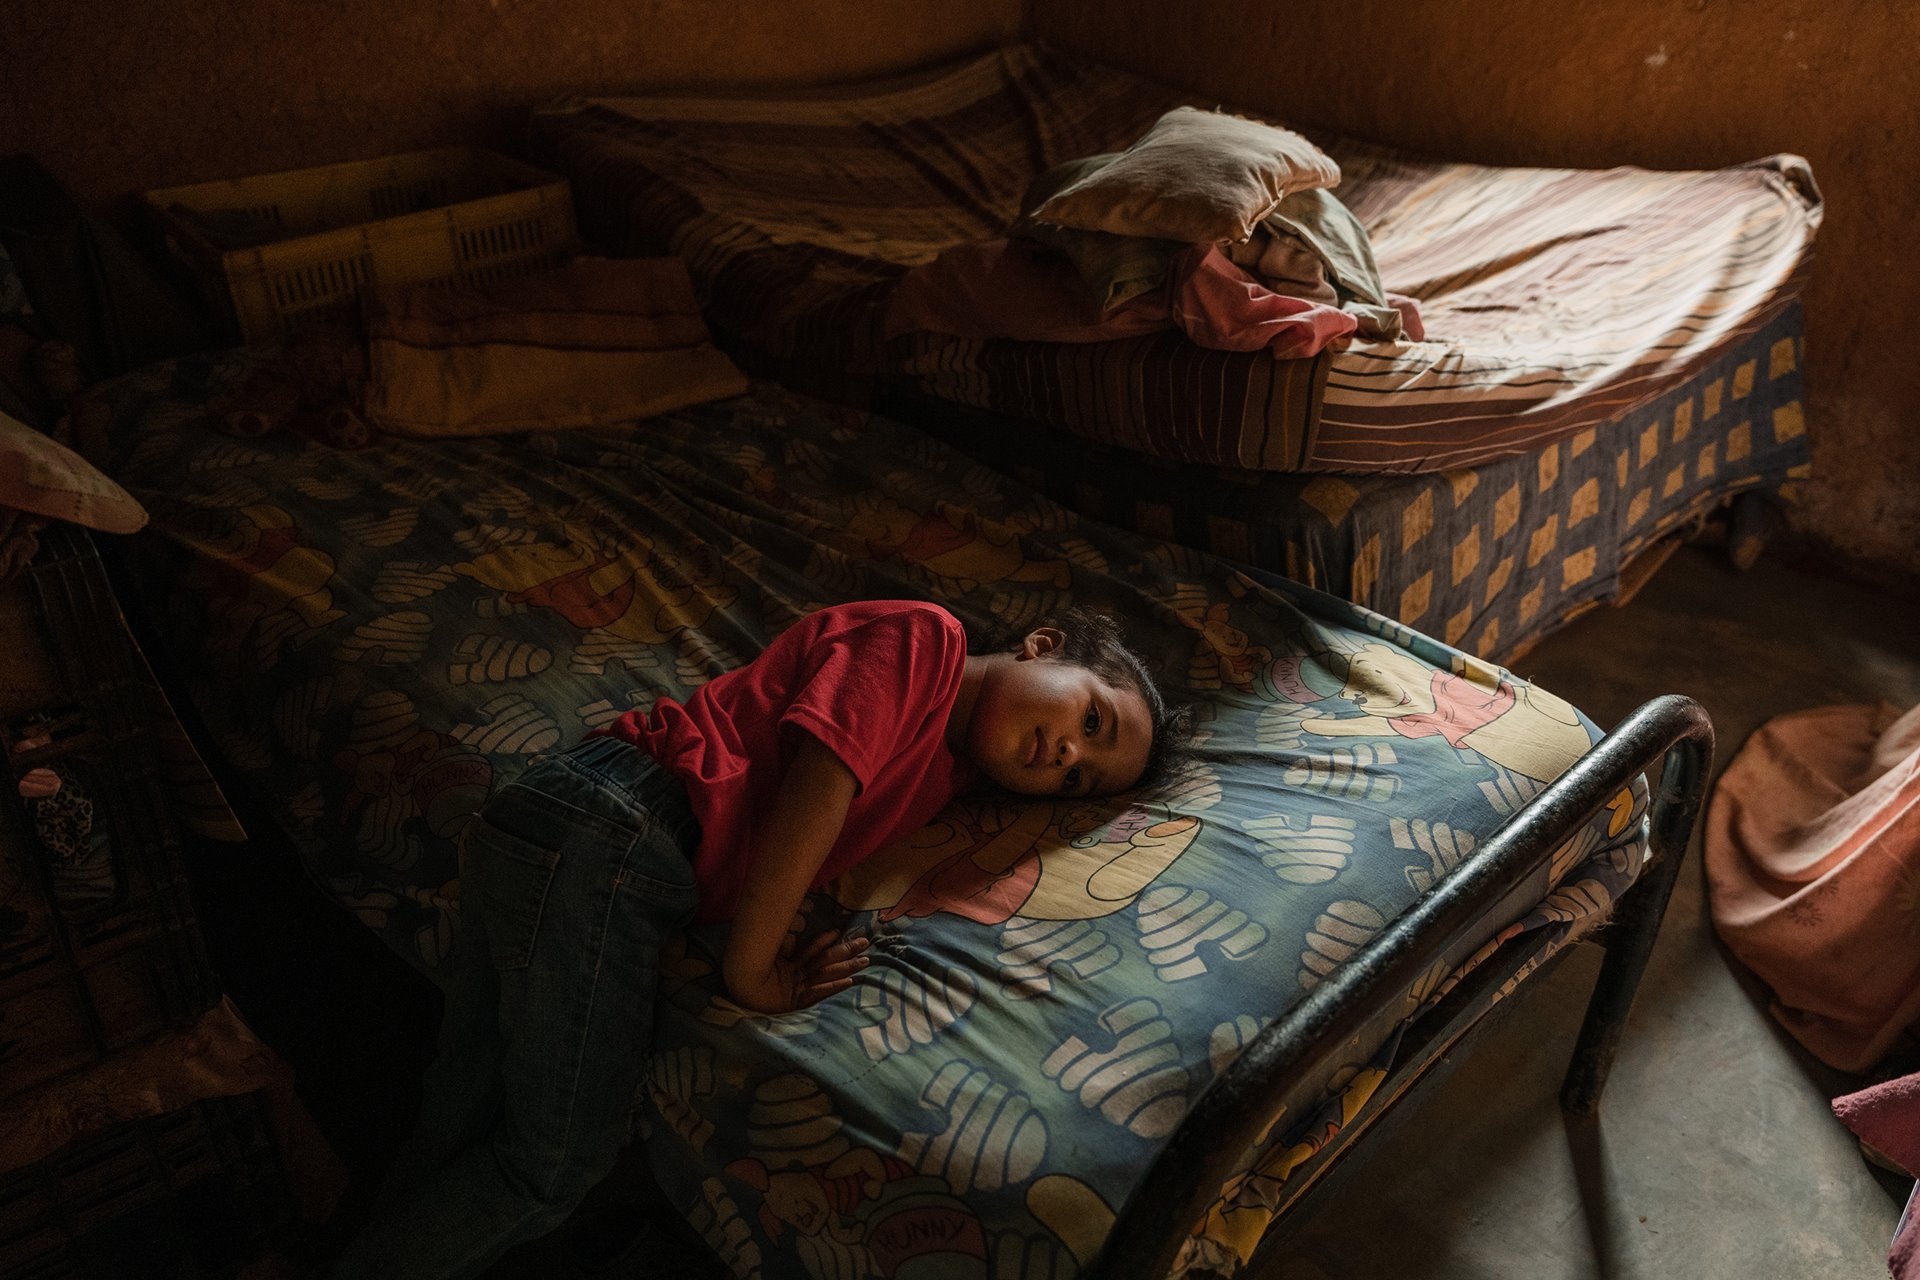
point(1013, 288)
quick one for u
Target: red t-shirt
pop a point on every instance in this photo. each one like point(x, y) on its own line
point(874, 681)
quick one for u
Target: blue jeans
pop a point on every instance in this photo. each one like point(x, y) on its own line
point(573, 876)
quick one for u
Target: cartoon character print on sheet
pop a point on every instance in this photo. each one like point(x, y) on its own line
point(259, 586)
point(848, 1210)
point(260, 582)
point(831, 1192)
point(813, 1190)
point(1049, 881)
point(629, 594)
point(953, 544)
point(1028, 871)
point(1523, 735)
point(1224, 655)
point(405, 785)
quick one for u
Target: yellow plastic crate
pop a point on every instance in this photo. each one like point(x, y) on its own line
point(286, 248)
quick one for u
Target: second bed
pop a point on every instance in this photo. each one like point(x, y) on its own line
point(1609, 353)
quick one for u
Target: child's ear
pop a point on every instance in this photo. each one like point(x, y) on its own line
point(1040, 643)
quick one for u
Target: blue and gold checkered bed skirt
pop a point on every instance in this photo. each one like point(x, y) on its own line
point(1490, 559)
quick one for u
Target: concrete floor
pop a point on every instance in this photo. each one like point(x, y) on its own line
point(1714, 1153)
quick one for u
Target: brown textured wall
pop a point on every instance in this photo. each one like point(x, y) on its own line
point(1662, 83)
point(119, 95)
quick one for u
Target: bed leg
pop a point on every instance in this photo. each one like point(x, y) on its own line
point(1631, 936)
point(1749, 520)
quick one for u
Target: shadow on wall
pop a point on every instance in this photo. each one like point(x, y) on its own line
point(117, 98)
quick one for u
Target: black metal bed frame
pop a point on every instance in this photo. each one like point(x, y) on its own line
point(1242, 1103)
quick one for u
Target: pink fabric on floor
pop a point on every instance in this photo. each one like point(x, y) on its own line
point(1887, 1118)
point(1013, 288)
point(1813, 871)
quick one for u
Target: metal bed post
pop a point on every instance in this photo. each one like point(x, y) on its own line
point(1236, 1110)
point(1630, 937)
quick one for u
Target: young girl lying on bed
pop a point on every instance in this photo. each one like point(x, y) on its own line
point(853, 729)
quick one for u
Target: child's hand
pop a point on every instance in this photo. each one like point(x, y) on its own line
point(804, 975)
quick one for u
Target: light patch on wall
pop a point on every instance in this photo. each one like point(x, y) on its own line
point(1658, 58)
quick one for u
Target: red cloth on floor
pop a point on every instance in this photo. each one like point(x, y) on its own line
point(1887, 1118)
point(1013, 288)
point(1813, 872)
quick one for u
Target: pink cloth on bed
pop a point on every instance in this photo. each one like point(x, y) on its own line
point(1013, 288)
point(1813, 869)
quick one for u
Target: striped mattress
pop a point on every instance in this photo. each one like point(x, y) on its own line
point(1554, 299)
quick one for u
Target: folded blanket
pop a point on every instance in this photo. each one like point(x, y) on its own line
point(597, 342)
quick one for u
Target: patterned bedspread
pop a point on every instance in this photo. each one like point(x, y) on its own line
point(375, 639)
point(1554, 299)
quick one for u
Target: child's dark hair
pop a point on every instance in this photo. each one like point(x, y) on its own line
point(1094, 641)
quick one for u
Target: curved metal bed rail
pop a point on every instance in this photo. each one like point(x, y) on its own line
point(1237, 1107)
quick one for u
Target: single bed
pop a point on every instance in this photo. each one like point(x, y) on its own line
point(1078, 1014)
point(1562, 307)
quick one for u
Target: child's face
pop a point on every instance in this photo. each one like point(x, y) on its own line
point(1044, 727)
